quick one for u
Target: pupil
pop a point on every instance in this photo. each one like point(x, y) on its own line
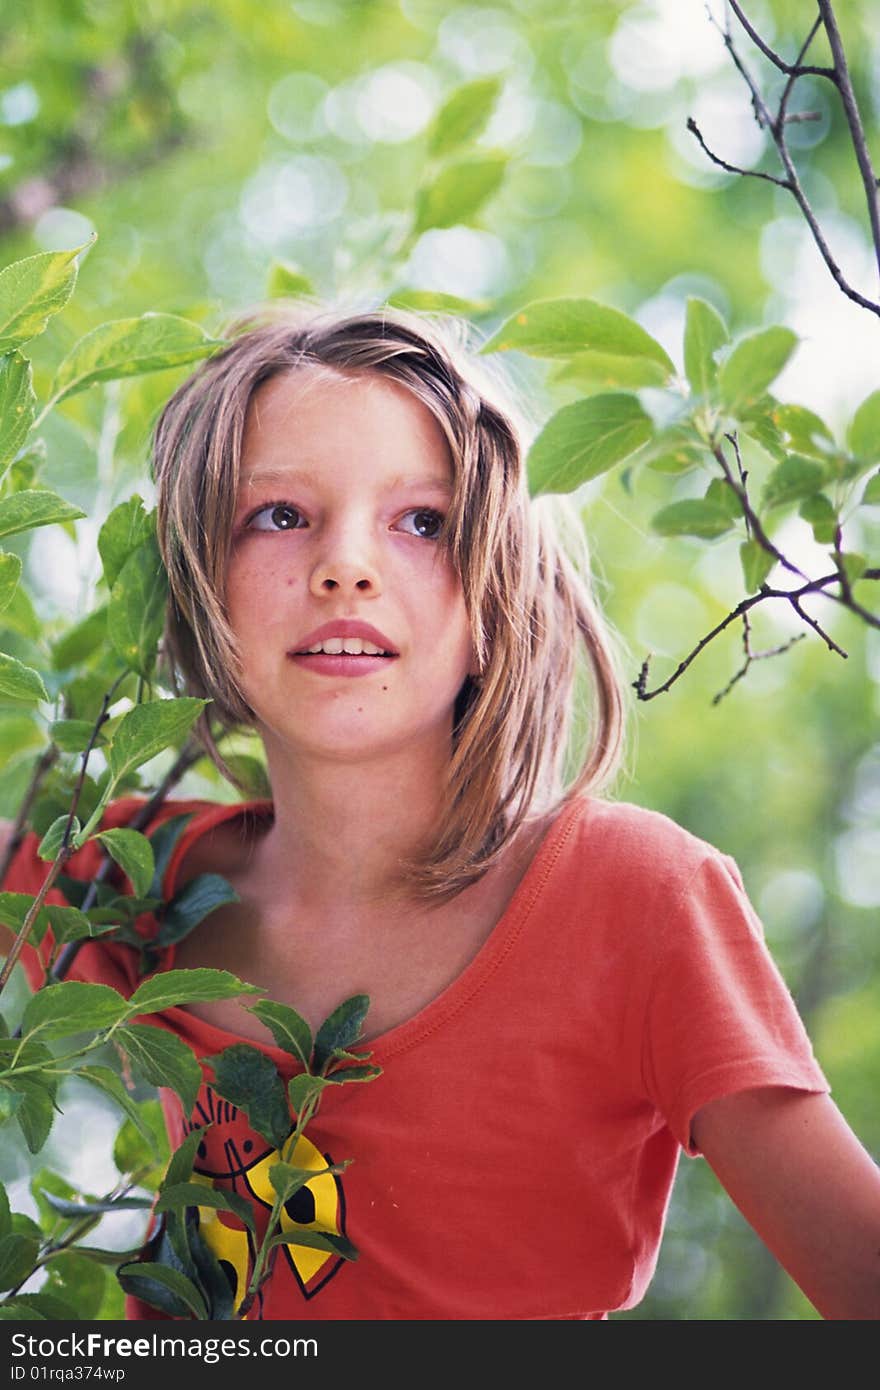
point(284, 517)
point(428, 523)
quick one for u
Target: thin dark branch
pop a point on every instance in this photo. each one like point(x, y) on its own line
point(46, 761)
point(734, 168)
point(795, 69)
point(776, 128)
point(782, 115)
point(792, 596)
point(854, 120)
point(753, 521)
point(187, 758)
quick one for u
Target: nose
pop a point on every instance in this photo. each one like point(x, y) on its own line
point(345, 564)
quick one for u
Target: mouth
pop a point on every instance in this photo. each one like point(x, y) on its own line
point(344, 646)
point(342, 662)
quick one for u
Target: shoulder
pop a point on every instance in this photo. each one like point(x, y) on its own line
point(636, 859)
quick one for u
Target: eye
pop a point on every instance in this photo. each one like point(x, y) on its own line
point(426, 522)
point(276, 516)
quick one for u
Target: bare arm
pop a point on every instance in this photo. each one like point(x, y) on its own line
point(805, 1183)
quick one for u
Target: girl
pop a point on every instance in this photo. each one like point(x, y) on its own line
point(565, 990)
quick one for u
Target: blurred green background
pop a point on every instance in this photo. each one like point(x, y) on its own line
point(205, 142)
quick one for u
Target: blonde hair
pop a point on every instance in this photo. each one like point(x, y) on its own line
point(526, 588)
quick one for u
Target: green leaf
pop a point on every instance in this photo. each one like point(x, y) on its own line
point(463, 116)
point(853, 565)
point(807, 432)
point(128, 1146)
point(80, 641)
point(181, 1161)
point(365, 1073)
point(25, 510)
point(290, 1031)
point(792, 480)
point(316, 1240)
point(863, 435)
point(756, 565)
point(164, 839)
point(585, 439)
point(20, 736)
point(148, 729)
point(97, 1208)
point(197, 1194)
point(75, 1276)
point(54, 837)
point(563, 327)
point(871, 495)
point(722, 495)
point(161, 1059)
point(136, 614)
point(594, 369)
point(753, 365)
point(74, 736)
point(251, 773)
point(163, 1288)
point(693, 517)
point(47, 1306)
point(5, 1216)
point(285, 279)
point(134, 855)
point(458, 192)
point(56, 1011)
point(127, 528)
point(759, 423)
point(66, 922)
point(10, 573)
point(704, 333)
point(31, 291)
point(675, 449)
point(198, 897)
point(9, 1102)
point(20, 616)
point(174, 987)
point(435, 301)
point(18, 1255)
point(342, 1028)
point(19, 681)
point(17, 405)
point(818, 511)
point(249, 1080)
point(36, 1112)
point(287, 1180)
point(19, 1310)
point(129, 347)
point(107, 1081)
point(303, 1088)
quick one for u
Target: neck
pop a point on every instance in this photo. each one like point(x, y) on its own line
point(341, 830)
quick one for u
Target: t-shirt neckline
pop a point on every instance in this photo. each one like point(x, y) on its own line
point(454, 997)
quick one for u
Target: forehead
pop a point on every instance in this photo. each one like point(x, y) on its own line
point(317, 414)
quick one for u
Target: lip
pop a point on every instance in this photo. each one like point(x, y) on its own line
point(344, 627)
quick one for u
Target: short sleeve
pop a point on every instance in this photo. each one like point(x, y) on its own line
point(719, 1015)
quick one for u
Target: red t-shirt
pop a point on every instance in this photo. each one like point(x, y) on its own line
point(516, 1157)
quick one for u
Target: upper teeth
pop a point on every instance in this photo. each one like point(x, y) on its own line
point(355, 646)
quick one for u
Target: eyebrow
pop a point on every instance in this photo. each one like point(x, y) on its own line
point(291, 477)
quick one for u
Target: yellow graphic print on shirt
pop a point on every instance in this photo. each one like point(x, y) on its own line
point(225, 1155)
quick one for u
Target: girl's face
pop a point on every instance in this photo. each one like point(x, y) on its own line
point(344, 482)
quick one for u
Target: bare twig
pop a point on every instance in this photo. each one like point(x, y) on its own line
point(853, 120)
point(795, 69)
point(776, 125)
point(792, 596)
point(46, 761)
point(187, 758)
